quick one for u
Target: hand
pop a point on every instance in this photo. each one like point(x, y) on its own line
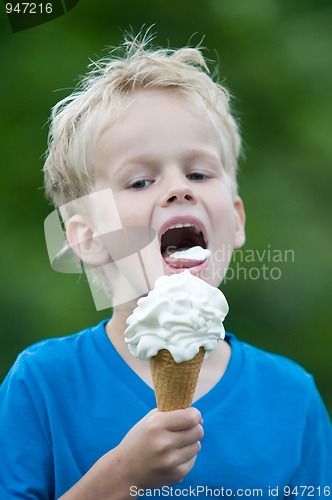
point(161, 448)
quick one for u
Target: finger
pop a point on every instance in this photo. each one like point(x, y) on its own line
point(189, 436)
point(189, 452)
point(184, 468)
point(180, 420)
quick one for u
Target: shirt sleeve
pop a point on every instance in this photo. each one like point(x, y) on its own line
point(26, 466)
point(313, 477)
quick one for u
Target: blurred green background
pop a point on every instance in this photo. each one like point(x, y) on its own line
point(275, 57)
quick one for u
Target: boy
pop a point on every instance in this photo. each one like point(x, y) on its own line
point(153, 133)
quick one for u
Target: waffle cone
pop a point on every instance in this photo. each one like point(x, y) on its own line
point(175, 383)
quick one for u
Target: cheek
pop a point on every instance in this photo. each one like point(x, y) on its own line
point(132, 212)
point(224, 220)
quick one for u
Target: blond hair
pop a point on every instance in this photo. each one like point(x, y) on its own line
point(78, 120)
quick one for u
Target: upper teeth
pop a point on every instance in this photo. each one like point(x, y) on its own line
point(186, 224)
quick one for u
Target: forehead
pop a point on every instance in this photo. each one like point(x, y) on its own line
point(160, 122)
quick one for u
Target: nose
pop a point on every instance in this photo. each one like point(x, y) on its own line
point(178, 191)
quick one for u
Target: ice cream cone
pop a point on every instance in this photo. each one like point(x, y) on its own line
point(175, 383)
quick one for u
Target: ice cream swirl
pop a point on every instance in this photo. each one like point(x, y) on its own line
point(181, 314)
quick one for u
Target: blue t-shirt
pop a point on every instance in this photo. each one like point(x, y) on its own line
point(67, 401)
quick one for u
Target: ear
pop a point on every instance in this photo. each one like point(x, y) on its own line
point(240, 219)
point(89, 247)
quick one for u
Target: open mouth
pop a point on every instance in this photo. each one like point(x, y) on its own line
point(183, 246)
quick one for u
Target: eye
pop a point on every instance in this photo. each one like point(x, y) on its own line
point(140, 184)
point(196, 176)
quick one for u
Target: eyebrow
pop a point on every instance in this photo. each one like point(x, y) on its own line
point(142, 159)
point(151, 159)
point(201, 153)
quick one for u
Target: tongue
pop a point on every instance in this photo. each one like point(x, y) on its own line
point(187, 257)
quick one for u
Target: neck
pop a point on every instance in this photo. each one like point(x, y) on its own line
point(117, 324)
point(115, 329)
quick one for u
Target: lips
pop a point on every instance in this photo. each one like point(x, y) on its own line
point(180, 234)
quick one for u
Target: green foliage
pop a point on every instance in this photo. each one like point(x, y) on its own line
point(275, 57)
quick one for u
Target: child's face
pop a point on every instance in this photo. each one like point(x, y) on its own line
point(162, 160)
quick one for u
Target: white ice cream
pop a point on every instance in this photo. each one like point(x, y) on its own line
point(193, 253)
point(181, 314)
